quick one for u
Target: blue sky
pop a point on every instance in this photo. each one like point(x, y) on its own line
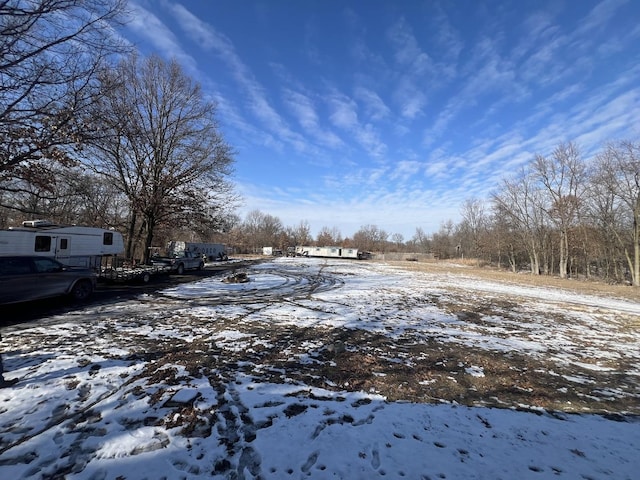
point(393, 113)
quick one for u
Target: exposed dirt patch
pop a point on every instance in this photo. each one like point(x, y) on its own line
point(410, 368)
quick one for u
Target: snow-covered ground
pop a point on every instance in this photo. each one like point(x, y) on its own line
point(217, 380)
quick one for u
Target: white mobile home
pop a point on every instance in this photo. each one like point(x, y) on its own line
point(72, 245)
point(213, 251)
point(331, 252)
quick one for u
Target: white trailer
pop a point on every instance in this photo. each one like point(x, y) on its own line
point(330, 252)
point(212, 251)
point(75, 246)
point(272, 251)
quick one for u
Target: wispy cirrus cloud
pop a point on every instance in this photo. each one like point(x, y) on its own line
point(304, 109)
point(405, 169)
point(210, 39)
point(490, 72)
point(243, 128)
point(344, 115)
point(536, 29)
point(408, 52)
point(414, 66)
point(148, 26)
point(448, 42)
point(344, 112)
point(374, 106)
point(599, 16)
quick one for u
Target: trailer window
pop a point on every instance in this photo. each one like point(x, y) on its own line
point(43, 244)
point(107, 238)
point(64, 243)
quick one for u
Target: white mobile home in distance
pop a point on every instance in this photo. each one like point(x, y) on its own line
point(71, 245)
point(331, 252)
point(213, 251)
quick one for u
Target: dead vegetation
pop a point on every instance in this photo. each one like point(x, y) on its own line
point(474, 268)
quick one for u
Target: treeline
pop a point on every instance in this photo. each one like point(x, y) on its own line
point(560, 215)
point(565, 215)
point(260, 229)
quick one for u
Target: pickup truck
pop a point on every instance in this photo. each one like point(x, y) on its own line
point(180, 262)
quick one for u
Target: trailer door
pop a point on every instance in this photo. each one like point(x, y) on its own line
point(63, 249)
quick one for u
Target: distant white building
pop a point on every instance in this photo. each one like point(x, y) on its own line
point(330, 252)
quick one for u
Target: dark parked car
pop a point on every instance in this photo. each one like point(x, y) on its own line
point(31, 278)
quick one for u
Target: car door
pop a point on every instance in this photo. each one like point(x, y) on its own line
point(16, 279)
point(51, 278)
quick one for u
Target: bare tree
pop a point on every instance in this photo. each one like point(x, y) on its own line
point(563, 177)
point(398, 240)
point(504, 240)
point(299, 235)
point(72, 197)
point(421, 241)
point(609, 221)
point(261, 230)
point(370, 238)
point(474, 224)
point(157, 139)
point(442, 242)
point(50, 52)
point(618, 172)
point(329, 236)
point(518, 201)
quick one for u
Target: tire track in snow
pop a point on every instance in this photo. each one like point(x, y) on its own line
point(266, 285)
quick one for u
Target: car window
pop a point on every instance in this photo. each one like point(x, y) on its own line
point(14, 266)
point(46, 265)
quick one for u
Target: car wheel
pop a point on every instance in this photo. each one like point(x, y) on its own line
point(146, 276)
point(81, 290)
point(180, 269)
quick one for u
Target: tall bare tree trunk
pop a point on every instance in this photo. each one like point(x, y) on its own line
point(635, 271)
point(131, 231)
point(148, 241)
point(563, 253)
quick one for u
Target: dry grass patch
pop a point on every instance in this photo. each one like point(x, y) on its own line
point(470, 268)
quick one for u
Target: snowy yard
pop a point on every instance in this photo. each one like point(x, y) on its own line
point(327, 369)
